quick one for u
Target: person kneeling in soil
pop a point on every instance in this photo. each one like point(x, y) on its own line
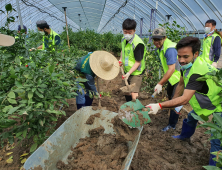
point(168, 55)
point(132, 57)
point(202, 95)
point(98, 63)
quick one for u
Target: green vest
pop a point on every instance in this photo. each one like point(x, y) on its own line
point(128, 58)
point(52, 37)
point(204, 104)
point(83, 65)
point(208, 51)
point(175, 77)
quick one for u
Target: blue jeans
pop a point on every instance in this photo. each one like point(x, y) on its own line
point(89, 86)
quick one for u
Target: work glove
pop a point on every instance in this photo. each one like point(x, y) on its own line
point(158, 88)
point(155, 107)
point(100, 96)
point(32, 49)
point(120, 63)
point(214, 64)
point(126, 76)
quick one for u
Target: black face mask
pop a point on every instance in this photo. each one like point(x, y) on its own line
point(45, 33)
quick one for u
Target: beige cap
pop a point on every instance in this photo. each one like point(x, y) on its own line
point(104, 65)
point(6, 40)
point(159, 33)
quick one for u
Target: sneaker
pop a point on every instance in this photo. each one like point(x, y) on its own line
point(167, 128)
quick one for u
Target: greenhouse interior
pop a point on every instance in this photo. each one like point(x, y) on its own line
point(111, 84)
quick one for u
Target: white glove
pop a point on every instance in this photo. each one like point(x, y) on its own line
point(155, 107)
point(126, 76)
point(214, 64)
point(158, 88)
point(120, 63)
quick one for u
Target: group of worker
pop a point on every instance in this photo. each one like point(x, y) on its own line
point(182, 65)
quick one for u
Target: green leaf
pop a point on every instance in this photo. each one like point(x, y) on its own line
point(8, 7)
point(33, 147)
point(30, 94)
point(17, 60)
point(12, 72)
point(12, 101)
point(65, 83)
point(6, 108)
point(51, 68)
point(19, 134)
point(58, 97)
point(197, 117)
point(18, 84)
point(209, 167)
point(211, 125)
point(12, 110)
point(39, 94)
point(218, 118)
point(11, 95)
point(35, 138)
point(39, 105)
point(33, 90)
point(43, 85)
point(53, 118)
point(24, 133)
point(41, 122)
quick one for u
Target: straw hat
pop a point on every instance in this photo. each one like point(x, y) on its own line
point(104, 65)
point(6, 40)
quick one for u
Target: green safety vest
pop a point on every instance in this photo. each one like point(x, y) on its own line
point(208, 51)
point(175, 77)
point(204, 104)
point(52, 37)
point(83, 65)
point(128, 58)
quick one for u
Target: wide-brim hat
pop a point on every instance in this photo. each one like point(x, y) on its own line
point(6, 40)
point(104, 65)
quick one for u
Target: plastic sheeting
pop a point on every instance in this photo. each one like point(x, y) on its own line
point(108, 15)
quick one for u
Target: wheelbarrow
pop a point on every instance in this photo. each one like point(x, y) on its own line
point(58, 145)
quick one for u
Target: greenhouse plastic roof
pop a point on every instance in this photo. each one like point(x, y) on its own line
point(108, 15)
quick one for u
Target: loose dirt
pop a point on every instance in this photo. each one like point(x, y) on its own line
point(101, 151)
point(91, 119)
point(156, 150)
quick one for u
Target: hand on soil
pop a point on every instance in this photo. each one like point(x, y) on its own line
point(155, 107)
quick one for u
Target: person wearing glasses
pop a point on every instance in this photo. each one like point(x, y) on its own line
point(167, 53)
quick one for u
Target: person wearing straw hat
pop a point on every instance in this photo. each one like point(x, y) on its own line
point(6, 40)
point(98, 63)
point(48, 34)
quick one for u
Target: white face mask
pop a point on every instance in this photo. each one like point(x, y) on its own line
point(207, 30)
point(42, 32)
point(128, 36)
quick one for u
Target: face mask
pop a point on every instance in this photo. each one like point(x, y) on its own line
point(128, 36)
point(207, 30)
point(185, 67)
point(41, 32)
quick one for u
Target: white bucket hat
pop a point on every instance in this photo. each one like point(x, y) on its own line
point(104, 65)
point(6, 40)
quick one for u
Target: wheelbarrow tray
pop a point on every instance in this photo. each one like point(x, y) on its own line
point(58, 145)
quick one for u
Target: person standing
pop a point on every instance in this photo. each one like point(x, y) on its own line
point(48, 34)
point(132, 57)
point(168, 56)
point(211, 43)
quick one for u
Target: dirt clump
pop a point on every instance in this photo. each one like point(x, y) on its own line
point(96, 132)
point(91, 119)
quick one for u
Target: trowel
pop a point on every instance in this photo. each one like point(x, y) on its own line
point(128, 88)
point(134, 114)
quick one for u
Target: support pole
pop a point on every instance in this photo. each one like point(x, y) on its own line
point(19, 14)
point(66, 26)
point(141, 27)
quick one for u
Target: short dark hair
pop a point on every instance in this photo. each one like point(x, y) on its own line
point(213, 22)
point(189, 42)
point(24, 27)
point(129, 24)
point(44, 26)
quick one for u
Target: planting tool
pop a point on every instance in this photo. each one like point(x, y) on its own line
point(128, 88)
point(154, 94)
point(58, 145)
point(134, 114)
